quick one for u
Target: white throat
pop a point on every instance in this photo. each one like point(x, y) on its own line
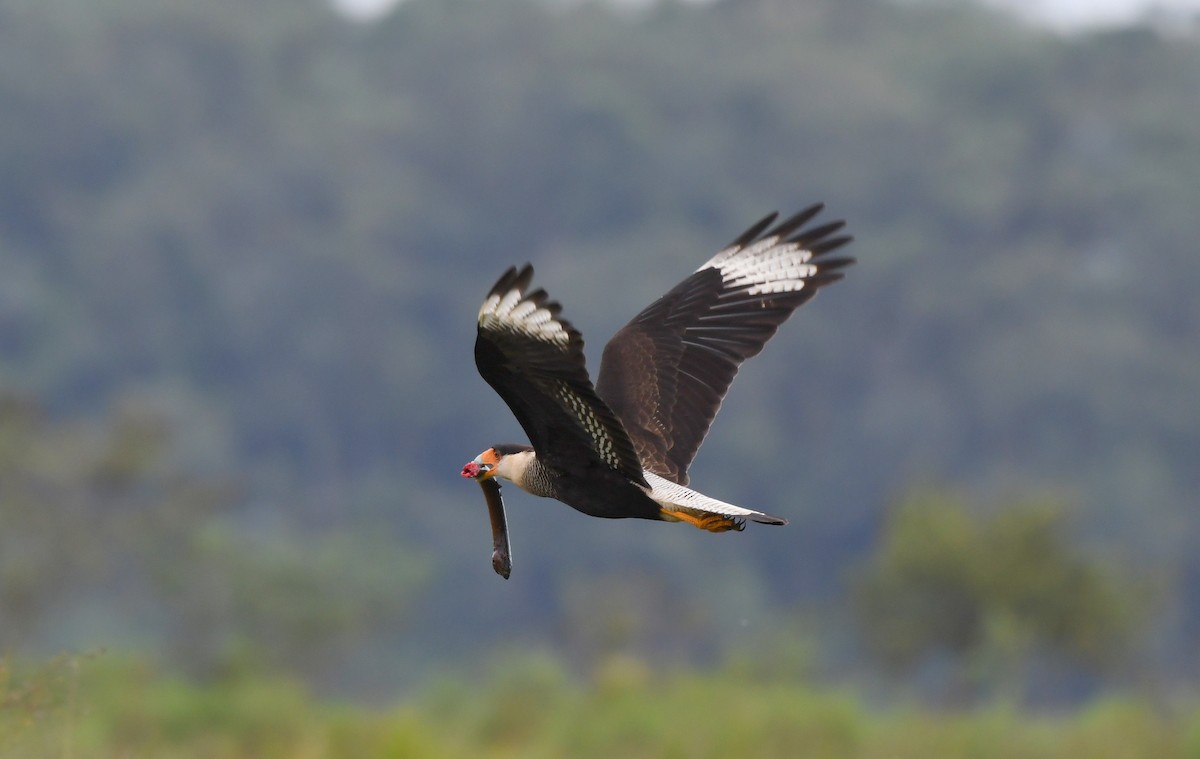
point(514, 466)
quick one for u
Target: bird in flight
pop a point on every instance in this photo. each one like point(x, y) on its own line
point(622, 448)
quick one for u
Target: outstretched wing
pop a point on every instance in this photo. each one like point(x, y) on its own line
point(534, 361)
point(666, 372)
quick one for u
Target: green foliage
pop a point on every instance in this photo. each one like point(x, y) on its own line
point(992, 591)
point(291, 603)
point(103, 509)
point(83, 504)
point(106, 706)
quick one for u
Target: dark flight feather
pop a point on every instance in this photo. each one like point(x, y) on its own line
point(666, 372)
point(534, 361)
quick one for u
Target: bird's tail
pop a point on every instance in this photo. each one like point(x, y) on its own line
point(682, 504)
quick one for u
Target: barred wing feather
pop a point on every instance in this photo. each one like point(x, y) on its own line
point(666, 372)
point(534, 360)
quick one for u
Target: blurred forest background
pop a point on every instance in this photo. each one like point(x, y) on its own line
point(242, 247)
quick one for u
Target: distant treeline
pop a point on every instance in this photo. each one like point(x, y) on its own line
point(241, 249)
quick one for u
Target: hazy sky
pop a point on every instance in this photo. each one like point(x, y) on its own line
point(1072, 14)
point(1063, 14)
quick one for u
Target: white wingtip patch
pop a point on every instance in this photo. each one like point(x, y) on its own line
point(766, 267)
point(509, 312)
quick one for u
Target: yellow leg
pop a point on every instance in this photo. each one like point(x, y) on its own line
point(710, 522)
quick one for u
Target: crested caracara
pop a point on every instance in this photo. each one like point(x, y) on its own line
point(622, 448)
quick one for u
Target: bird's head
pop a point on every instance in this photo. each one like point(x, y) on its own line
point(506, 460)
point(483, 466)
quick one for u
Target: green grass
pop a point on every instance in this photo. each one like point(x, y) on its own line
point(79, 707)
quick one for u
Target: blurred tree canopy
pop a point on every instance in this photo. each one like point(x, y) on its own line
point(267, 229)
point(993, 593)
point(100, 531)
